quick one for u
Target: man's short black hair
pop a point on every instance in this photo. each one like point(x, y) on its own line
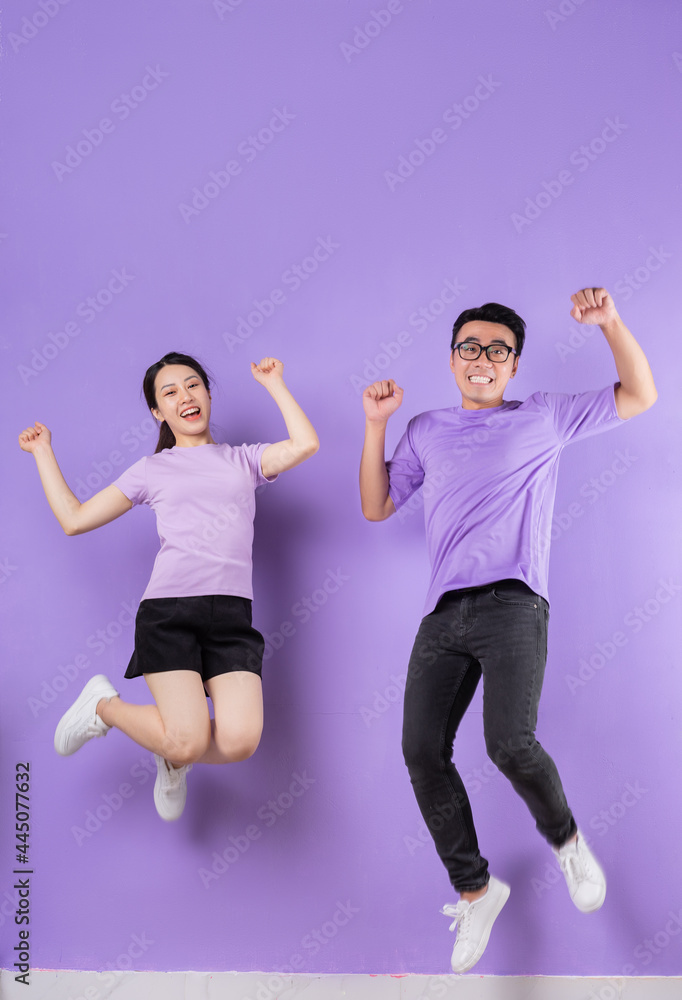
point(493, 312)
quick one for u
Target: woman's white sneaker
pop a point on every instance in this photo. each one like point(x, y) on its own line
point(170, 789)
point(81, 722)
point(585, 880)
point(474, 923)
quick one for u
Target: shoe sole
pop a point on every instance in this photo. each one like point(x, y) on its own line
point(67, 717)
point(483, 944)
point(595, 906)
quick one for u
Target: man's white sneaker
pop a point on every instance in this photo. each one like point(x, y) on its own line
point(81, 723)
point(170, 789)
point(474, 923)
point(585, 879)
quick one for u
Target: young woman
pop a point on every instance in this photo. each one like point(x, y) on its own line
point(193, 632)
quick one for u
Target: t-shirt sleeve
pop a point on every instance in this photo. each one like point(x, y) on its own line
point(586, 413)
point(253, 454)
point(133, 482)
point(405, 472)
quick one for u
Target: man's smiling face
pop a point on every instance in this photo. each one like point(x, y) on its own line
point(482, 382)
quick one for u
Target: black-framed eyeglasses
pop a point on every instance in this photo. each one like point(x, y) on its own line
point(468, 351)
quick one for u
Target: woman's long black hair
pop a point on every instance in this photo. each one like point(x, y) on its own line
point(166, 436)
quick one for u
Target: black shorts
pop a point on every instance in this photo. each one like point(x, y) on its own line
point(212, 635)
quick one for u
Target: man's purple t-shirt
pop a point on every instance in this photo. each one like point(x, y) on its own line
point(205, 503)
point(489, 481)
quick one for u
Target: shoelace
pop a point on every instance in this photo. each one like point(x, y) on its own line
point(575, 865)
point(173, 775)
point(460, 911)
point(94, 728)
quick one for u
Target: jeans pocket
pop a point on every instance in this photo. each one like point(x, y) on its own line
point(515, 596)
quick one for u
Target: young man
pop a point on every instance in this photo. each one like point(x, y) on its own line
point(489, 468)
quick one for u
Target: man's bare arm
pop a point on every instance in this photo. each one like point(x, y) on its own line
point(379, 400)
point(636, 391)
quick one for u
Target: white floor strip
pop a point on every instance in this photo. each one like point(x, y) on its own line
point(67, 985)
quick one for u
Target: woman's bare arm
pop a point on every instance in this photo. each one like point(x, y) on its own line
point(74, 517)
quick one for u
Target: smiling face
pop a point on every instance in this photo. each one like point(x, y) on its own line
point(184, 403)
point(482, 382)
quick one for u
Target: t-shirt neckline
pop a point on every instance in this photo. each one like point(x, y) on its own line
point(484, 411)
point(193, 447)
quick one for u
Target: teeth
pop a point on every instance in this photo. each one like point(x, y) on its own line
point(481, 379)
point(187, 413)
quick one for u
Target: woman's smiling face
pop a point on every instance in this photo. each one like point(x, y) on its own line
point(184, 403)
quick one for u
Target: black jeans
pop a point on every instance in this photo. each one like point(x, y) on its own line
point(499, 631)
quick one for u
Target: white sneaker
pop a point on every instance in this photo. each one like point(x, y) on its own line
point(474, 923)
point(81, 723)
point(585, 879)
point(170, 789)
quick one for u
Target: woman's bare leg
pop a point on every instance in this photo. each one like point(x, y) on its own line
point(238, 706)
point(178, 727)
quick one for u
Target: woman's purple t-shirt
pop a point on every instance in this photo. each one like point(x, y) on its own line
point(489, 480)
point(204, 502)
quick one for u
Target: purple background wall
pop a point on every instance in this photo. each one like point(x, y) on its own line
point(500, 203)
